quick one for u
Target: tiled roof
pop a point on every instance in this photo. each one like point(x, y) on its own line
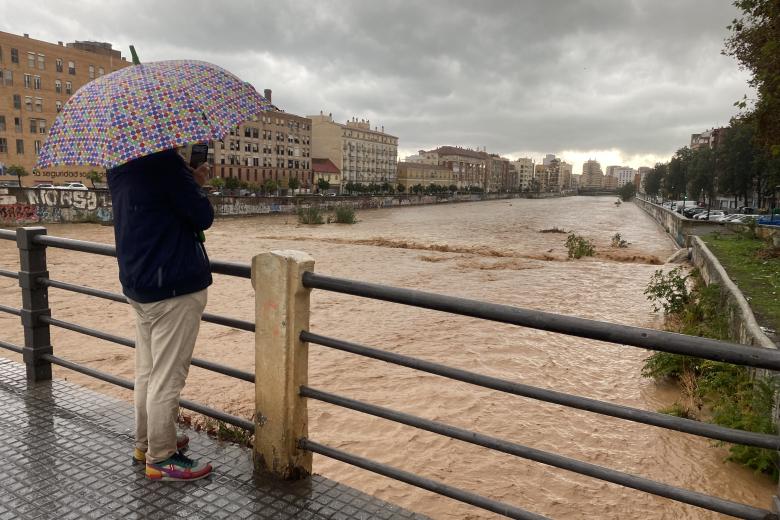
point(324, 166)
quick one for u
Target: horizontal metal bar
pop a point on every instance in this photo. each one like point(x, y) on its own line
point(421, 482)
point(124, 383)
point(9, 274)
point(10, 310)
point(75, 245)
point(201, 363)
point(231, 269)
point(603, 331)
point(711, 431)
point(217, 266)
point(11, 347)
point(208, 317)
point(584, 468)
point(7, 234)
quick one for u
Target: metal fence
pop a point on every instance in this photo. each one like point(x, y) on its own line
point(290, 301)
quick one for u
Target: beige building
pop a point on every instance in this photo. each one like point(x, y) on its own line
point(468, 167)
point(410, 174)
point(524, 170)
point(36, 79)
point(274, 145)
point(325, 170)
point(363, 155)
point(498, 178)
point(592, 176)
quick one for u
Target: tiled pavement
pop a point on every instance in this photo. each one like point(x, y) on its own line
point(65, 454)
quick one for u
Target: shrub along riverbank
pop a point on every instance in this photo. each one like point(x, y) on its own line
point(721, 393)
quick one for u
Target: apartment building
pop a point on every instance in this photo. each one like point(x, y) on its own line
point(710, 138)
point(624, 175)
point(592, 176)
point(36, 79)
point(325, 170)
point(412, 173)
point(524, 173)
point(274, 145)
point(364, 155)
point(469, 167)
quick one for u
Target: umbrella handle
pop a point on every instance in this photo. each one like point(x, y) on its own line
point(136, 61)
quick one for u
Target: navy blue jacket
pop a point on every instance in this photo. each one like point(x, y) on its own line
point(158, 210)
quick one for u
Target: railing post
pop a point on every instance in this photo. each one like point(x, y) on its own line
point(281, 362)
point(35, 303)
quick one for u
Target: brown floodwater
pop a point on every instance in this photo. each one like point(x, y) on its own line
point(490, 251)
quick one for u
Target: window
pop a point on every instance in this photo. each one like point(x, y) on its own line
point(37, 147)
point(2, 123)
point(19, 147)
point(41, 62)
point(101, 71)
point(14, 55)
point(33, 126)
point(37, 82)
point(71, 68)
point(17, 101)
point(8, 78)
point(39, 104)
point(3, 145)
point(28, 103)
point(58, 64)
point(58, 104)
point(27, 80)
point(68, 87)
point(91, 72)
point(18, 124)
point(58, 86)
point(31, 60)
point(41, 126)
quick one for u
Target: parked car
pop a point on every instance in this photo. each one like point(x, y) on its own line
point(690, 212)
point(712, 215)
point(72, 186)
point(734, 217)
point(9, 184)
point(45, 186)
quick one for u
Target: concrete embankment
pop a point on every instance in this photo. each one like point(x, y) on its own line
point(24, 206)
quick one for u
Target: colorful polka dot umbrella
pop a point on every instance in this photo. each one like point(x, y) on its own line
point(145, 108)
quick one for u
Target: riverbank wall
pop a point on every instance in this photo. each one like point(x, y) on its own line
point(25, 206)
point(743, 327)
point(677, 226)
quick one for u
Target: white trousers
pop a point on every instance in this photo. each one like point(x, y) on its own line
point(165, 338)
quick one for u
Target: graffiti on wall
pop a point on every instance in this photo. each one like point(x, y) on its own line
point(18, 213)
point(30, 206)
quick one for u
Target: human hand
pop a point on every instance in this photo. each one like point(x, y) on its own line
point(201, 174)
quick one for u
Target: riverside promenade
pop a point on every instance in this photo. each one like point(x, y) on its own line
point(66, 455)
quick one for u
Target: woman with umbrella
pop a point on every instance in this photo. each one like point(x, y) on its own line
point(130, 122)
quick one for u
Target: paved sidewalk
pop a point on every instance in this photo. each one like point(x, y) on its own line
point(66, 455)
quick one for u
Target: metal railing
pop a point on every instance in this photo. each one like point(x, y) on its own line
point(282, 339)
point(38, 354)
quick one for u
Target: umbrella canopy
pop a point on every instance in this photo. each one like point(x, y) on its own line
point(146, 108)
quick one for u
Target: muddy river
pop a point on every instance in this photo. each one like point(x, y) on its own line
point(491, 251)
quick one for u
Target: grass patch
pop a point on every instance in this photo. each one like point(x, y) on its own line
point(721, 393)
point(310, 215)
point(345, 215)
point(579, 246)
point(755, 267)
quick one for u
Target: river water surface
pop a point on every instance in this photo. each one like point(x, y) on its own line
point(491, 251)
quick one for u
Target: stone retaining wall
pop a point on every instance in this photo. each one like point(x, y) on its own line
point(678, 227)
point(743, 327)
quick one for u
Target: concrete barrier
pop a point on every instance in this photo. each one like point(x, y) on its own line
point(678, 227)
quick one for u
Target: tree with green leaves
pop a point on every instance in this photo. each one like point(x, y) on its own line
point(293, 183)
point(94, 176)
point(755, 44)
point(676, 179)
point(453, 188)
point(270, 186)
point(701, 174)
point(17, 170)
point(400, 188)
point(217, 182)
point(654, 179)
point(322, 184)
point(232, 183)
point(627, 191)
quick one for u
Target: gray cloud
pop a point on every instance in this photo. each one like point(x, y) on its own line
point(636, 76)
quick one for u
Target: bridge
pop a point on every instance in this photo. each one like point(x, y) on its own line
point(58, 434)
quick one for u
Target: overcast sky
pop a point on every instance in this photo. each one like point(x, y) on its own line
point(622, 81)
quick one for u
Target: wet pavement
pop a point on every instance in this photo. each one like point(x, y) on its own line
point(66, 454)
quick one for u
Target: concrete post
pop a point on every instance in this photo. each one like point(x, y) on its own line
point(281, 362)
point(35, 303)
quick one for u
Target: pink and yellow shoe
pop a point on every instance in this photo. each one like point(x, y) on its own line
point(177, 467)
point(182, 442)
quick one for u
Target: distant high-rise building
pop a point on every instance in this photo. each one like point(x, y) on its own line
point(592, 176)
point(524, 169)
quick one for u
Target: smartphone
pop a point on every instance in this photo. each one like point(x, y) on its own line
point(199, 154)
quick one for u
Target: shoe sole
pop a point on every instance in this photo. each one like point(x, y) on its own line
point(174, 479)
